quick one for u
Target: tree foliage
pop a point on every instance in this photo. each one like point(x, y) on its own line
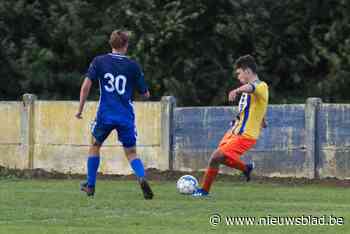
point(186, 48)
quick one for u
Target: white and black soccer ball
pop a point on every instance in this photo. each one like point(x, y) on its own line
point(187, 184)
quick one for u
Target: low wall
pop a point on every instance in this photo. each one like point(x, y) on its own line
point(280, 151)
point(311, 140)
point(46, 134)
point(10, 137)
point(333, 132)
point(62, 141)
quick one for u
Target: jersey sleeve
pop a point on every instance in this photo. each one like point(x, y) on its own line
point(92, 70)
point(140, 81)
point(260, 90)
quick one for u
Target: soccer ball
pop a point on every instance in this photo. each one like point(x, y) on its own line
point(187, 184)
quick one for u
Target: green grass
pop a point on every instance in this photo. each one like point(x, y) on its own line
point(56, 206)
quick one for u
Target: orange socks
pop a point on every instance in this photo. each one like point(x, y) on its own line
point(209, 178)
point(235, 163)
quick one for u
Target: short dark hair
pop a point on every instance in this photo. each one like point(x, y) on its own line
point(246, 61)
point(118, 39)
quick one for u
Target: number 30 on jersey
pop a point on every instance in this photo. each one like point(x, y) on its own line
point(117, 83)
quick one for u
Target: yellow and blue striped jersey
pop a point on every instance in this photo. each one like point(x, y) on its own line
point(252, 109)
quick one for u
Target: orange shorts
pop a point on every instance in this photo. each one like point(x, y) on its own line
point(233, 146)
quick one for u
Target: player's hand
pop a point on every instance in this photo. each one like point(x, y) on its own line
point(147, 95)
point(78, 115)
point(232, 95)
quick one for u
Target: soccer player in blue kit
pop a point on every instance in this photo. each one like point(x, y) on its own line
point(118, 76)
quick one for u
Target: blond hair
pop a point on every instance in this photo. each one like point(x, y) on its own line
point(118, 39)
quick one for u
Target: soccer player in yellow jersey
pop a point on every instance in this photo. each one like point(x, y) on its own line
point(246, 129)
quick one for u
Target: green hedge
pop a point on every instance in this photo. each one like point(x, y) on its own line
point(185, 47)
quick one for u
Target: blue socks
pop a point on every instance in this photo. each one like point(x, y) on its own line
point(137, 166)
point(94, 161)
point(92, 166)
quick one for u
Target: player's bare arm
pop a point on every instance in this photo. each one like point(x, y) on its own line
point(247, 88)
point(84, 93)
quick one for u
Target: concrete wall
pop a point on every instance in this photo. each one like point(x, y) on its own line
point(333, 157)
point(10, 137)
point(45, 134)
point(61, 140)
point(311, 140)
point(281, 149)
point(279, 152)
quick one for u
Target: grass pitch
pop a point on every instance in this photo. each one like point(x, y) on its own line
point(57, 206)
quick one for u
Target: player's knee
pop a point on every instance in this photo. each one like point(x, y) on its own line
point(214, 162)
point(130, 153)
point(216, 159)
point(95, 148)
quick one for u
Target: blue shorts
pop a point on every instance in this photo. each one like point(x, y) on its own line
point(126, 133)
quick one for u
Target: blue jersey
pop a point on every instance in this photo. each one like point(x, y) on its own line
point(118, 76)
